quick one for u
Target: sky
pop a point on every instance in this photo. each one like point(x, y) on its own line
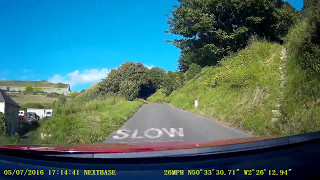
point(79, 42)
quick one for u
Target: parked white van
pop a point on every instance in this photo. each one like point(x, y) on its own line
point(42, 113)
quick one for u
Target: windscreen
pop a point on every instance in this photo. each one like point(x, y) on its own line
point(168, 71)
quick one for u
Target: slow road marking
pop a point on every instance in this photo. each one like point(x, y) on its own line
point(152, 133)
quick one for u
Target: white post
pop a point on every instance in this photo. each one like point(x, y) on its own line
point(196, 103)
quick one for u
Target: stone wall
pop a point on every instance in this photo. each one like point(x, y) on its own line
point(11, 88)
point(64, 91)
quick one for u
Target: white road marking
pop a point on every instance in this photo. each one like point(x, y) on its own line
point(151, 133)
point(159, 133)
point(125, 135)
point(151, 141)
point(173, 131)
point(134, 135)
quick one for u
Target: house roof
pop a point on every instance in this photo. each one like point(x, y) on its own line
point(7, 99)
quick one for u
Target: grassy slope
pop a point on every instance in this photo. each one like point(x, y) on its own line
point(33, 84)
point(24, 100)
point(301, 105)
point(84, 122)
point(159, 97)
point(301, 113)
point(247, 90)
point(12, 140)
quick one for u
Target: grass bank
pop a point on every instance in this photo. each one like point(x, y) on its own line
point(301, 113)
point(28, 101)
point(301, 105)
point(9, 140)
point(81, 121)
point(159, 97)
point(241, 91)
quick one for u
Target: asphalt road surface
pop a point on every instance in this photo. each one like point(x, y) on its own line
point(165, 123)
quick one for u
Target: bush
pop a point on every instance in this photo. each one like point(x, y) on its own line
point(133, 76)
point(3, 127)
point(29, 89)
point(157, 76)
point(129, 90)
point(111, 85)
point(193, 70)
point(172, 81)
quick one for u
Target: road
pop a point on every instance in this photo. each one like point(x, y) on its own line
point(165, 123)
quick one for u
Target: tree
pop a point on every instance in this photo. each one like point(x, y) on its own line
point(29, 89)
point(172, 81)
point(111, 84)
point(127, 80)
point(3, 127)
point(211, 29)
point(135, 72)
point(303, 40)
point(193, 70)
point(129, 90)
point(286, 18)
point(156, 75)
point(307, 4)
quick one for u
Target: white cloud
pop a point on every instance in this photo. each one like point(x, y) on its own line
point(77, 77)
point(149, 66)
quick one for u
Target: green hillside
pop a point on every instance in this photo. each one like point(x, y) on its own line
point(32, 101)
point(33, 84)
point(241, 91)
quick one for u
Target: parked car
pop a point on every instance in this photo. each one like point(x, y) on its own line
point(30, 117)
